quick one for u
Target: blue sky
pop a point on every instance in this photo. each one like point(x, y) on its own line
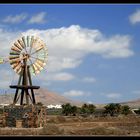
point(94, 52)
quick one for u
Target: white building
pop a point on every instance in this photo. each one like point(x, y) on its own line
point(54, 106)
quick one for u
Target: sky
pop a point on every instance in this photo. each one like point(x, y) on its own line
point(93, 49)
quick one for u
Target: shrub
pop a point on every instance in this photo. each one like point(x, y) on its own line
point(112, 109)
point(125, 110)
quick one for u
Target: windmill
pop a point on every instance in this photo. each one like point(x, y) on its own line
point(28, 55)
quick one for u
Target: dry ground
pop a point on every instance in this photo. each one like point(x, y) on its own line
point(76, 125)
point(122, 125)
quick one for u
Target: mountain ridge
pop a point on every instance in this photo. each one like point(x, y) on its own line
point(44, 96)
point(48, 97)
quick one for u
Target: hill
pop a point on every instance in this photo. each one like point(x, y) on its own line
point(48, 97)
point(133, 103)
point(42, 95)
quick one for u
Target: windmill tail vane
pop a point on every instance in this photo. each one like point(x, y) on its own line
point(3, 60)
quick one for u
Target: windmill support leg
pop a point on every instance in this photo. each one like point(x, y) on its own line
point(25, 87)
point(30, 81)
point(22, 95)
point(15, 98)
point(33, 96)
point(27, 96)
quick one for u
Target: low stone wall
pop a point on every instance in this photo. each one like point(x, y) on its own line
point(20, 131)
point(23, 116)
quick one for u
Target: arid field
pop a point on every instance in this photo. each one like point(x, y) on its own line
point(78, 126)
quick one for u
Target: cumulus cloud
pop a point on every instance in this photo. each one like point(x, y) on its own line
point(74, 93)
point(6, 40)
point(59, 76)
point(89, 80)
point(135, 17)
point(67, 47)
point(38, 18)
point(90, 102)
point(6, 77)
point(63, 76)
point(15, 19)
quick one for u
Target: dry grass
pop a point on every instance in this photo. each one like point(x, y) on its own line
point(77, 125)
point(51, 129)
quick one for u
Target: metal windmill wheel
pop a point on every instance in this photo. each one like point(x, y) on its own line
point(28, 55)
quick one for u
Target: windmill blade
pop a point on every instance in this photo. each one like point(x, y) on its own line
point(31, 44)
point(1, 60)
point(14, 53)
point(38, 49)
point(25, 43)
point(13, 57)
point(41, 62)
point(21, 43)
point(32, 69)
point(36, 69)
point(18, 68)
point(15, 60)
point(43, 55)
point(38, 66)
point(12, 62)
point(36, 43)
point(14, 48)
point(18, 46)
point(14, 65)
point(28, 41)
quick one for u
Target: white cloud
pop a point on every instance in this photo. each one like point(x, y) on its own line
point(6, 77)
point(15, 19)
point(89, 80)
point(57, 63)
point(70, 63)
point(90, 102)
point(135, 17)
point(68, 46)
point(74, 93)
point(6, 40)
point(113, 95)
point(38, 18)
point(63, 76)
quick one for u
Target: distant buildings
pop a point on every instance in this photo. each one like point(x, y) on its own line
point(48, 106)
point(54, 106)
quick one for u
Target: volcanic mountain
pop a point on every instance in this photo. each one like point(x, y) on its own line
point(48, 97)
point(133, 103)
point(42, 95)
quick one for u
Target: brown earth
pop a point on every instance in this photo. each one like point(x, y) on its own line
point(80, 126)
point(122, 125)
